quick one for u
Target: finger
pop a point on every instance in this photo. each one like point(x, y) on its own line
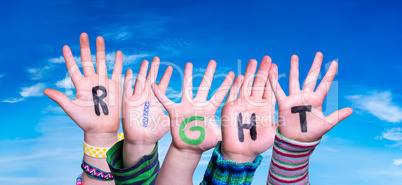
point(86, 58)
point(234, 91)
point(311, 80)
point(223, 89)
point(268, 92)
point(153, 72)
point(206, 82)
point(276, 87)
point(62, 100)
point(294, 85)
point(326, 82)
point(128, 83)
point(72, 67)
point(163, 99)
point(100, 57)
point(339, 115)
point(188, 82)
point(261, 77)
point(140, 80)
point(118, 65)
point(248, 78)
point(164, 82)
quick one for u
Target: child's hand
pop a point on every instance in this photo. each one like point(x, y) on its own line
point(253, 109)
point(144, 122)
point(300, 114)
point(193, 125)
point(97, 104)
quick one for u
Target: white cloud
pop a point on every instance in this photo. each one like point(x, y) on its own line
point(397, 162)
point(393, 134)
point(57, 110)
point(57, 60)
point(65, 83)
point(378, 104)
point(35, 90)
point(37, 72)
point(13, 100)
point(32, 91)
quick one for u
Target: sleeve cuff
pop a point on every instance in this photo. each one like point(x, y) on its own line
point(220, 171)
point(290, 160)
point(144, 172)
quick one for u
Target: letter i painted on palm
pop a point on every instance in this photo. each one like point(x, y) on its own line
point(145, 115)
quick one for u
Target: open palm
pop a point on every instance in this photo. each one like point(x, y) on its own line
point(256, 100)
point(103, 119)
point(150, 127)
point(202, 133)
point(316, 124)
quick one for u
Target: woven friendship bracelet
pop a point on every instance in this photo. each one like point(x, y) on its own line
point(98, 152)
point(96, 173)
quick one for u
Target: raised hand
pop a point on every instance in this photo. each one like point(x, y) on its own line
point(300, 114)
point(248, 120)
point(144, 122)
point(96, 108)
point(97, 104)
point(192, 125)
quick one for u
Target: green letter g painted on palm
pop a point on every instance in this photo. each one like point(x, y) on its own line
point(195, 128)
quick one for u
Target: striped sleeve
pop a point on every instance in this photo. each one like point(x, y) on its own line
point(144, 172)
point(290, 161)
point(220, 171)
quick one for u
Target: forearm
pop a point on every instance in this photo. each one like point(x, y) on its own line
point(104, 140)
point(178, 167)
point(290, 161)
point(223, 171)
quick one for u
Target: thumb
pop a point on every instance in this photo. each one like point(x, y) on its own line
point(64, 102)
point(339, 115)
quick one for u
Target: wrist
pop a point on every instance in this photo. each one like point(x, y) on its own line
point(185, 156)
point(139, 147)
point(303, 137)
point(302, 142)
point(238, 158)
point(236, 154)
point(133, 153)
point(100, 139)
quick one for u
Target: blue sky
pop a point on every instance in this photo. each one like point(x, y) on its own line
point(364, 36)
